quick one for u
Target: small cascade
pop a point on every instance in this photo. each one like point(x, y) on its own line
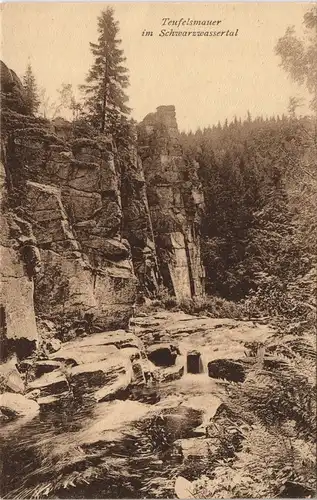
point(202, 365)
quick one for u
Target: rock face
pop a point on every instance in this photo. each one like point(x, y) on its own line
point(175, 201)
point(64, 254)
point(12, 92)
point(84, 227)
point(18, 331)
point(138, 224)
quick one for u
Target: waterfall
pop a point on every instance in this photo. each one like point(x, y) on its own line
point(202, 365)
point(185, 365)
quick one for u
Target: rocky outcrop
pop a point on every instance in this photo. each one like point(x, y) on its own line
point(85, 227)
point(64, 217)
point(12, 92)
point(138, 224)
point(175, 201)
point(18, 332)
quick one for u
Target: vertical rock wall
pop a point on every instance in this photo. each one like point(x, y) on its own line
point(138, 224)
point(82, 229)
point(175, 201)
point(64, 201)
point(18, 330)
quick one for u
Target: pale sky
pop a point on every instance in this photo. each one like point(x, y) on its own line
point(206, 78)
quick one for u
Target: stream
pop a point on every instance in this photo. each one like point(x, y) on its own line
point(35, 452)
point(134, 446)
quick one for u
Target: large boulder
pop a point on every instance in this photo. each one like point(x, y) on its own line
point(231, 370)
point(89, 377)
point(15, 405)
point(162, 354)
point(194, 362)
point(50, 384)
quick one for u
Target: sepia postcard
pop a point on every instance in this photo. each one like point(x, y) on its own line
point(158, 250)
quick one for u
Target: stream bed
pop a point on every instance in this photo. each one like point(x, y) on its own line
point(136, 445)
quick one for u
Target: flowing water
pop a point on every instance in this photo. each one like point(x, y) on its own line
point(85, 450)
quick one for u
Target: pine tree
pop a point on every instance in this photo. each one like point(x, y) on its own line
point(31, 91)
point(107, 78)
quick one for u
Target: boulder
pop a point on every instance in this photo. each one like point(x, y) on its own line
point(179, 422)
point(52, 345)
point(194, 363)
point(231, 370)
point(15, 405)
point(169, 374)
point(45, 366)
point(184, 488)
point(10, 377)
point(50, 384)
point(96, 347)
point(162, 354)
point(89, 377)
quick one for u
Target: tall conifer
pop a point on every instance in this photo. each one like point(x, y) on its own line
point(105, 100)
point(31, 90)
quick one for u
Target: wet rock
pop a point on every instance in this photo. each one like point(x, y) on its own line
point(194, 363)
point(138, 376)
point(15, 405)
point(52, 345)
point(57, 403)
point(89, 377)
point(10, 377)
point(227, 369)
point(35, 394)
point(45, 366)
point(169, 374)
point(162, 354)
point(180, 421)
point(117, 390)
point(50, 384)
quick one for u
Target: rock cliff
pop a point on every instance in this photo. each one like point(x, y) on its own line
point(175, 201)
point(83, 230)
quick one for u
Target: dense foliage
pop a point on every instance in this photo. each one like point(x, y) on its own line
point(259, 229)
point(299, 57)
